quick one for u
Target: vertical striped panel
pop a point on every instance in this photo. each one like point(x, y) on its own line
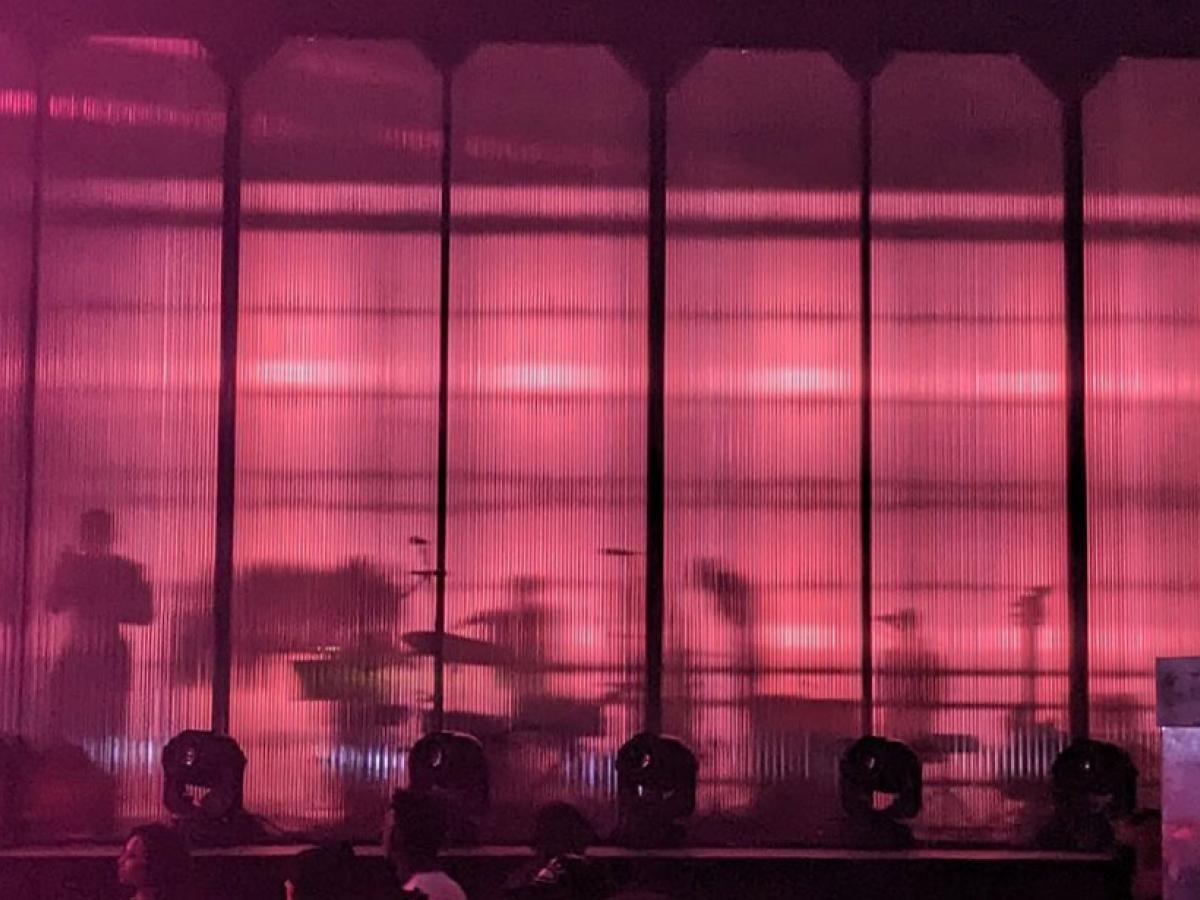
point(547, 418)
point(17, 101)
point(969, 434)
point(762, 636)
point(127, 368)
point(1143, 346)
point(337, 425)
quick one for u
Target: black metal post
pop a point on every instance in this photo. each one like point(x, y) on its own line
point(865, 501)
point(439, 615)
point(656, 236)
point(29, 459)
point(1077, 491)
point(231, 239)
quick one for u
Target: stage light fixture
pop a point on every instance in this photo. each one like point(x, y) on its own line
point(1096, 775)
point(875, 765)
point(656, 787)
point(453, 766)
point(1092, 784)
point(202, 785)
point(448, 762)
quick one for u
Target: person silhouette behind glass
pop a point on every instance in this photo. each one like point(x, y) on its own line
point(98, 591)
point(911, 685)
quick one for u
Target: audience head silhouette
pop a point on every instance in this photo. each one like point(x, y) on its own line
point(414, 834)
point(155, 862)
point(322, 873)
point(560, 829)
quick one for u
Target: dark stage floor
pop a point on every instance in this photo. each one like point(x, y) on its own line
point(256, 872)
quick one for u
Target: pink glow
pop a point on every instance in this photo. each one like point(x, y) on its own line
point(338, 423)
point(303, 374)
point(547, 377)
point(120, 112)
point(585, 203)
point(330, 197)
point(17, 103)
point(176, 48)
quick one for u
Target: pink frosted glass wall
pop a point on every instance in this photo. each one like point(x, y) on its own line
point(1143, 365)
point(547, 416)
point(17, 107)
point(119, 648)
point(762, 493)
point(337, 425)
point(969, 431)
point(335, 513)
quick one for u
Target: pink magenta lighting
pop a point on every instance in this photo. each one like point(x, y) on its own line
point(338, 388)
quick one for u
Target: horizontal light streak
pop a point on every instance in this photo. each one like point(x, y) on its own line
point(599, 204)
point(176, 48)
point(534, 377)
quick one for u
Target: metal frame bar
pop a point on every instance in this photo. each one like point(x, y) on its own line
point(1077, 485)
point(443, 434)
point(231, 237)
point(656, 251)
point(32, 335)
point(865, 467)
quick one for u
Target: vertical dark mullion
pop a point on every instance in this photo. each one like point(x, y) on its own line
point(656, 235)
point(439, 662)
point(1077, 499)
point(231, 237)
point(865, 508)
point(29, 459)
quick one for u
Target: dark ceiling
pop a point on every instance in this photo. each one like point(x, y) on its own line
point(1050, 28)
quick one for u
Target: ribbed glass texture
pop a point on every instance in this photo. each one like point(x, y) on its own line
point(1142, 136)
point(337, 427)
point(761, 671)
point(120, 648)
point(547, 421)
point(969, 431)
point(17, 107)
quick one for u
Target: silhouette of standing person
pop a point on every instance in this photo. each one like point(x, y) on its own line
point(522, 631)
point(725, 717)
point(98, 591)
point(526, 634)
point(911, 687)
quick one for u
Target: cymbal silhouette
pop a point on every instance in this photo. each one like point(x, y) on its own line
point(457, 649)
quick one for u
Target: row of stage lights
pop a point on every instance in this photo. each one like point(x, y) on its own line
point(880, 786)
point(1093, 784)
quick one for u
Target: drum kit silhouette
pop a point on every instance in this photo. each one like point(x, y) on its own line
point(358, 673)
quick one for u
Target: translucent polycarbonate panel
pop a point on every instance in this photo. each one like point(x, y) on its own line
point(337, 427)
point(761, 668)
point(1143, 379)
point(547, 422)
point(125, 436)
point(17, 109)
point(969, 435)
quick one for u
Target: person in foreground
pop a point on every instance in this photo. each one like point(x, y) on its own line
point(156, 864)
point(560, 869)
point(322, 873)
point(413, 835)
